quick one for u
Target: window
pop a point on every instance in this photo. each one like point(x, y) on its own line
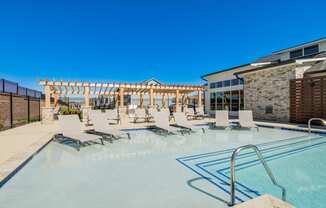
point(226, 100)
point(219, 84)
point(296, 53)
point(241, 100)
point(311, 50)
point(213, 101)
point(219, 100)
point(226, 83)
point(241, 81)
point(234, 82)
point(212, 85)
point(235, 100)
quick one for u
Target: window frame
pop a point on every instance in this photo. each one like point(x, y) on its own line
point(310, 48)
point(296, 51)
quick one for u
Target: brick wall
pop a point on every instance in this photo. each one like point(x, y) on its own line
point(269, 89)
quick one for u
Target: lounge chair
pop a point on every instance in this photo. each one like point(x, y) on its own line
point(190, 114)
point(72, 128)
point(162, 124)
point(200, 113)
point(102, 127)
point(221, 119)
point(141, 114)
point(246, 120)
point(182, 121)
point(113, 114)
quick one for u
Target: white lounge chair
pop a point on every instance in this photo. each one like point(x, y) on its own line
point(73, 129)
point(182, 121)
point(190, 113)
point(200, 113)
point(102, 127)
point(222, 119)
point(246, 120)
point(113, 114)
point(141, 114)
point(162, 123)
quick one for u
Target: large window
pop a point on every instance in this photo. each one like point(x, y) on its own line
point(213, 101)
point(234, 82)
point(226, 83)
point(296, 53)
point(227, 100)
point(219, 100)
point(235, 100)
point(241, 100)
point(219, 84)
point(311, 50)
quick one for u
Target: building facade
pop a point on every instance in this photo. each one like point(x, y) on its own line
point(263, 86)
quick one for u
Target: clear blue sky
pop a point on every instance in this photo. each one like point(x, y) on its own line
point(174, 41)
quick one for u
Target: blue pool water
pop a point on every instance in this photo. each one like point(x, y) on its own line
point(297, 163)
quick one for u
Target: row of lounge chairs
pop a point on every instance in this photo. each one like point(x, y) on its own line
point(245, 119)
point(74, 130)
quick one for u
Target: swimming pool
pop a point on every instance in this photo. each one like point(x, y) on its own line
point(173, 171)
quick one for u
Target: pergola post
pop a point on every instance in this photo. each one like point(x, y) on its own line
point(47, 110)
point(141, 100)
point(47, 96)
point(116, 101)
point(163, 101)
point(177, 100)
point(151, 98)
point(56, 100)
point(121, 95)
point(86, 108)
point(86, 96)
point(199, 99)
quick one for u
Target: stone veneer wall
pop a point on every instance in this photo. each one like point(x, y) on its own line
point(270, 87)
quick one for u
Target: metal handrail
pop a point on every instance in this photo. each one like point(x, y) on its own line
point(262, 160)
point(315, 119)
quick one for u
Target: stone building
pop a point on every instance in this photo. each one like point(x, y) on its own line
point(264, 85)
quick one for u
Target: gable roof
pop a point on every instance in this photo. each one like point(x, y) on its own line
point(281, 63)
point(151, 81)
point(223, 70)
point(301, 45)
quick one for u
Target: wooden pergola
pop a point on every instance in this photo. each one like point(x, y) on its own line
point(86, 89)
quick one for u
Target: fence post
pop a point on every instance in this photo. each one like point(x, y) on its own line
point(28, 110)
point(11, 113)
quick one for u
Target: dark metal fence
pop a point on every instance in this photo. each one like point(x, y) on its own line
point(18, 105)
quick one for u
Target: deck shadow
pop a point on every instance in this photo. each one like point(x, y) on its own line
point(191, 184)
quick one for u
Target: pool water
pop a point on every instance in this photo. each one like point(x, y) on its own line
point(297, 164)
point(170, 171)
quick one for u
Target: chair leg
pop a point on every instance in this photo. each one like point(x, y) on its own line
point(203, 130)
point(102, 141)
point(129, 136)
point(78, 145)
